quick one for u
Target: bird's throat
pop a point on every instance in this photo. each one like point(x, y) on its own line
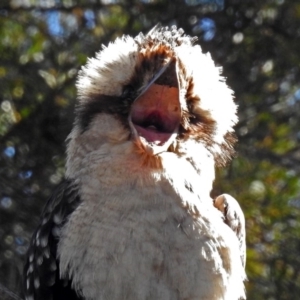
point(155, 118)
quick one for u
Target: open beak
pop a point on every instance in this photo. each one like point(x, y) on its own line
point(155, 116)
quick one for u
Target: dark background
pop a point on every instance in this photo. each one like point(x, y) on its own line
point(44, 43)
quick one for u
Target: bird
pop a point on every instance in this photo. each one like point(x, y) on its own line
point(133, 218)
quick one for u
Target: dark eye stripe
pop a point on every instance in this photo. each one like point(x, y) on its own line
point(101, 104)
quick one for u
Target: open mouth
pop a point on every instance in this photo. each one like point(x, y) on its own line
point(155, 118)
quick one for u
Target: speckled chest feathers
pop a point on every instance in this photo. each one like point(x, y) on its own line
point(154, 118)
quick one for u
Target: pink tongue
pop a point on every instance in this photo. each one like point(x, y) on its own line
point(152, 135)
point(155, 116)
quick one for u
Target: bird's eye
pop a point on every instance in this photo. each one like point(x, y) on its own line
point(127, 91)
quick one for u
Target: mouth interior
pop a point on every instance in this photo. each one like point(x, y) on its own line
point(153, 122)
point(155, 116)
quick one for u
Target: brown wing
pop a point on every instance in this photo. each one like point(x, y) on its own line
point(41, 278)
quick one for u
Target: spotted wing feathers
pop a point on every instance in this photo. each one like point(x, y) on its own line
point(41, 272)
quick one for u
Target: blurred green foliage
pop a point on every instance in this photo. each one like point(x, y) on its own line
point(44, 43)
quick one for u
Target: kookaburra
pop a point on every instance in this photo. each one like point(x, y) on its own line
point(133, 219)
